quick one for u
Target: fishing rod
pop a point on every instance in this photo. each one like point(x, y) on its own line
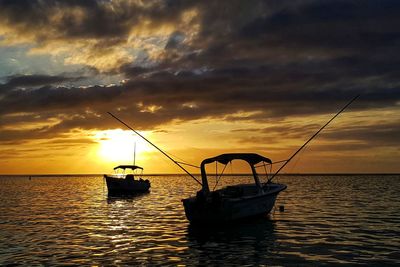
point(272, 163)
point(165, 154)
point(311, 138)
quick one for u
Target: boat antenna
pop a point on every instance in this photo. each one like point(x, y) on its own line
point(311, 138)
point(165, 154)
point(134, 153)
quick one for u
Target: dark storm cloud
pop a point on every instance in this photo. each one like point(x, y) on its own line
point(30, 81)
point(55, 98)
point(351, 137)
point(383, 134)
point(88, 18)
point(274, 58)
point(186, 98)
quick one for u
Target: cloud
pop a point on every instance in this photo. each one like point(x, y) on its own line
point(58, 110)
point(32, 81)
point(107, 34)
point(351, 135)
point(194, 60)
point(385, 134)
point(192, 34)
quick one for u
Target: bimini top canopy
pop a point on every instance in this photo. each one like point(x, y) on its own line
point(251, 158)
point(133, 167)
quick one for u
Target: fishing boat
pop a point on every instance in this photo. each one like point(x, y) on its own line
point(124, 182)
point(232, 202)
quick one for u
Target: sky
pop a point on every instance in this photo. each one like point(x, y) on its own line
point(198, 78)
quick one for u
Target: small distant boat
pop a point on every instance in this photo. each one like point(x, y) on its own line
point(232, 202)
point(123, 183)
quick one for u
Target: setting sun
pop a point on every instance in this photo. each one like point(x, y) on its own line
point(119, 146)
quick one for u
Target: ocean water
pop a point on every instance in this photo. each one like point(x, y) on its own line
point(328, 220)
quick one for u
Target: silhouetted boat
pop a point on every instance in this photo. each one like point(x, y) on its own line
point(122, 183)
point(233, 202)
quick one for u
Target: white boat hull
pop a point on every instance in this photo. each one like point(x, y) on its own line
point(215, 210)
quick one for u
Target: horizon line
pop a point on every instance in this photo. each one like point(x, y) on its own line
point(183, 174)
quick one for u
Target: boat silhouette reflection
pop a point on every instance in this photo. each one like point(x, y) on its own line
point(128, 198)
point(236, 242)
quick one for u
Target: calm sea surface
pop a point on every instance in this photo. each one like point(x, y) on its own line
point(328, 220)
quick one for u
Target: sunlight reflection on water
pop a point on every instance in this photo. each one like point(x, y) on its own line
point(327, 220)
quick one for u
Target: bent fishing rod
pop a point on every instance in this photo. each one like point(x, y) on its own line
point(311, 138)
point(148, 141)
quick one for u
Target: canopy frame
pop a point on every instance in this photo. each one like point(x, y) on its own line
point(251, 158)
point(132, 167)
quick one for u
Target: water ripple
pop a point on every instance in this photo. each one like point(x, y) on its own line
point(328, 220)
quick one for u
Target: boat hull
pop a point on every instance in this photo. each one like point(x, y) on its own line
point(215, 210)
point(118, 186)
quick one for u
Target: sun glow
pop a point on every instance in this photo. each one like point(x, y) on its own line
point(119, 146)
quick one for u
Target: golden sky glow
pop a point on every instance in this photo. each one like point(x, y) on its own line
point(100, 151)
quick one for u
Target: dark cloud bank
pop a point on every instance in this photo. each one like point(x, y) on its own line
point(286, 59)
